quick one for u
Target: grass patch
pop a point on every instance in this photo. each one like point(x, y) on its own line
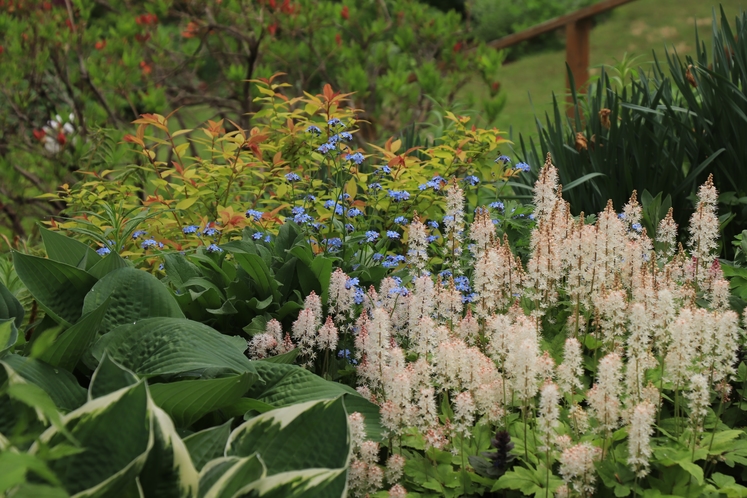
point(636, 28)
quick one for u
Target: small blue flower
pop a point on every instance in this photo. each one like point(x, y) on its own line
point(333, 139)
point(621, 216)
point(359, 296)
point(292, 177)
point(349, 227)
point(422, 187)
point(445, 274)
point(374, 186)
point(497, 205)
point(324, 148)
point(472, 180)
point(252, 213)
point(346, 136)
point(310, 198)
point(371, 236)
point(433, 224)
point(399, 195)
point(384, 170)
point(335, 242)
point(448, 218)
point(503, 159)
point(433, 238)
point(103, 251)
point(469, 298)
point(392, 261)
point(357, 158)
point(257, 235)
point(214, 248)
point(209, 232)
point(462, 284)
point(148, 243)
point(267, 238)
point(314, 129)
point(335, 122)
point(139, 233)
point(522, 167)
point(190, 229)
point(531, 216)
point(353, 212)
point(400, 220)
point(352, 282)
point(161, 267)
point(392, 234)
point(637, 227)
point(329, 204)
point(377, 257)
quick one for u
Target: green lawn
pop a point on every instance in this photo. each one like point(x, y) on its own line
point(636, 28)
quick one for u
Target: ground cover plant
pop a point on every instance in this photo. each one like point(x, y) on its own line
point(78, 72)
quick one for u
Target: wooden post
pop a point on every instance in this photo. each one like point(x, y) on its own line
point(577, 56)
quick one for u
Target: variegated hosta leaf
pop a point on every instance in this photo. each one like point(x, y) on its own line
point(168, 472)
point(309, 483)
point(297, 437)
point(117, 434)
point(223, 477)
point(207, 445)
point(59, 384)
point(109, 377)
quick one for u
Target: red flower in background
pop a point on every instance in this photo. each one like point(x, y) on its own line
point(146, 68)
point(146, 19)
point(192, 30)
point(100, 45)
point(272, 28)
point(345, 13)
point(457, 47)
point(61, 138)
point(39, 134)
point(338, 39)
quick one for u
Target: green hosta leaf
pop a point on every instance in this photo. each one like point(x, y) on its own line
point(109, 377)
point(285, 358)
point(10, 307)
point(301, 436)
point(318, 483)
point(206, 445)
point(189, 400)
point(59, 288)
point(286, 385)
point(8, 334)
point(169, 471)
point(134, 295)
point(174, 347)
point(69, 251)
point(223, 477)
point(69, 346)
point(108, 264)
point(59, 384)
point(115, 432)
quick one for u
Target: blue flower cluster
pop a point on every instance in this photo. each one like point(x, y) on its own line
point(356, 157)
point(254, 214)
point(209, 232)
point(399, 195)
point(392, 234)
point(314, 129)
point(522, 167)
point(103, 251)
point(139, 233)
point(345, 353)
point(292, 177)
point(372, 236)
point(353, 212)
point(435, 183)
point(393, 260)
point(300, 216)
point(497, 205)
point(214, 248)
point(471, 180)
point(151, 243)
point(400, 220)
point(190, 229)
point(503, 159)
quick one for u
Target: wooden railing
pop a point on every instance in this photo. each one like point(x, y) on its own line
point(577, 27)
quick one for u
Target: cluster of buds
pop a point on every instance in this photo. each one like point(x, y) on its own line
point(54, 135)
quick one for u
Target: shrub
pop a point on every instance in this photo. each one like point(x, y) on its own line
point(101, 65)
point(661, 134)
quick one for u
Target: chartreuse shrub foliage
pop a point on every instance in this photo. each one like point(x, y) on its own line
point(115, 393)
point(73, 68)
